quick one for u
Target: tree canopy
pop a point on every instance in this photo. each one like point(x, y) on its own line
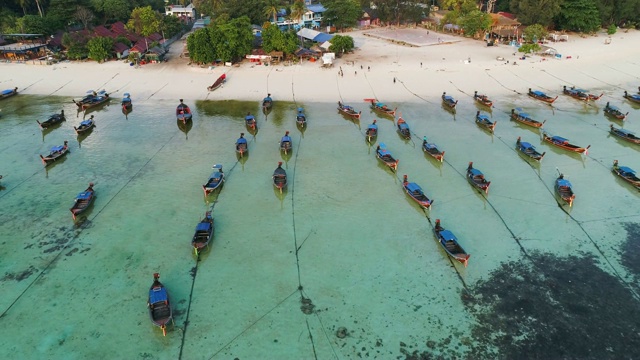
point(341, 44)
point(222, 40)
point(535, 32)
point(536, 11)
point(275, 40)
point(99, 48)
point(342, 13)
point(474, 22)
point(144, 21)
point(578, 15)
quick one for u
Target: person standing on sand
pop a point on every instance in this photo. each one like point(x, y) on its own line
point(394, 79)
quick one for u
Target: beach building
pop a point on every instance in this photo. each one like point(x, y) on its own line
point(184, 12)
point(27, 47)
point(503, 26)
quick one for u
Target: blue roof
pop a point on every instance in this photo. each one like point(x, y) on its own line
point(448, 98)
point(241, 141)
point(539, 93)
point(268, 98)
point(84, 195)
point(383, 152)
point(403, 126)
point(579, 90)
point(316, 8)
point(217, 166)
point(558, 138)
point(157, 295)
point(611, 107)
point(300, 110)
point(523, 114)
point(526, 145)
point(379, 104)
point(216, 175)
point(626, 132)
point(57, 148)
point(7, 92)
point(484, 118)
point(249, 117)
point(373, 126)
point(563, 182)
point(203, 226)
point(448, 235)
point(86, 122)
point(286, 138)
point(431, 146)
point(126, 94)
point(476, 172)
point(322, 37)
point(383, 146)
point(413, 187)
point(626, 169)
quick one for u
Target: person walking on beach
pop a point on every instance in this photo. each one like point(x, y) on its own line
point(394, 79)
point(368, 68)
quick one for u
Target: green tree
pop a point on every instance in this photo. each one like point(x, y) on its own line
point(535, 31)
point(84, 16)
point(112, 10)
point(33, 24)
point(272, 38)
point(144, 21)
point(462, 6)
point(201, 49)
point(536, 11)
point(578, 15)
point(76, 46)
point(475, 22)
point(612, 29)
point(342, 13)
point(341, 44)
point(61, 12)
point(271, 10)
point(297, 9)
point(236, 40)
point(99, 48)
point(171, 25)
point(529, 48)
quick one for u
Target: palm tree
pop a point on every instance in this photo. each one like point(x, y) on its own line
point(298, 9)
point(271, 10)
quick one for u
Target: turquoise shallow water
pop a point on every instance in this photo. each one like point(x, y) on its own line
point(343, 246)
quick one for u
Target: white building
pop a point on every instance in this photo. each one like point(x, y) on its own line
point(188, 12)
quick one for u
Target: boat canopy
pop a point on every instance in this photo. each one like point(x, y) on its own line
point(626, 169)
point(84, 195)
point(380, 105)
point(580, 90)
point(158, 294)
point(268, 98)
point(526, 145)
point(403, 125)
point(484, 118)
point(524, 115)
point(559, 139)
point(448, 98)
point(413, 187)
point(625, 132)
point(538, 93)
point(448, 235)
point(564, 183)
point(286, 138)
point(373, 126)
point(249, 117)
point(476, 172)
point(241, 141)
point(431, 146)
point(203, 226)
point(86, 122)
point(7, 92)
point(216, 176)
point(57, 148)
point(612, 107)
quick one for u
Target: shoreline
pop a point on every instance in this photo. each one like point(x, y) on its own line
point(421, 72)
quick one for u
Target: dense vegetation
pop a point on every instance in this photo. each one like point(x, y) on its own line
point(223, 40)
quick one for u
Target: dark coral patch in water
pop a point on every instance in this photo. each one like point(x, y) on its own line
point(631, 249)
point(19, 276)
point(550, 308)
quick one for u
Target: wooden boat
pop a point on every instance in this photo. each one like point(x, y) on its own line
point(448, 101)
point(625, 135)
point(53, 120)
point(536, 94)
point(484, 122)
point(482, 99)
point(183, 112)
point(203, 234)
point(241, 145)
point(564, 143)
point(126, 103)
point(216, 180)
point(301, 118)
point(349, 111)
point(415, 191)
point(279, 177)
point(626, 173)
point(476, 178)
point(8, 93)
point(381, 108)
point(85, 126)
point(632, 97)
point(450, 244)
point(385, 156)
point(56, 153)
point(564, 189)
point(82, 202)
point(403, 128)
point(524, 118)
point(285, 143)
point(159, 305)
point(218, 83)
point(614, 112)
point(432, 150)
point(250, 121)
point(92, 100)
point(528, 150)
point(267, 103)
point(580, 94)
point(372, 131)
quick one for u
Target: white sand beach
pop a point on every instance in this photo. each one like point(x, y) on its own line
point(421, 71)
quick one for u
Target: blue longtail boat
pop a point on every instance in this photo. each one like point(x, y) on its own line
point(216, 180)
point(450, 244)
point(565, 190)
point(528, 150)
point(416, 193)
point(484, 122)
point(203, 234)
point(285, 143)
point(385, 156)
point(160, 311)
point(432, 150)
point(372, 131)
point(83, 200)
point(477, 179)
point(242, 146)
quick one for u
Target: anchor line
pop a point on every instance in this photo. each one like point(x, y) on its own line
point(186, 320)
point(501, 84)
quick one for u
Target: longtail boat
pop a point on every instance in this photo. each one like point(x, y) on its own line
point(242, 146)
point(285, 143)
point(625, 135)
point(8, 93)
point(477, 179)
point(484, 122)
point(528, 150)
point(632, 97)
point(580, 94)
point(159, 305)
point(450, 244)
point(349, 111)
point(564, 143)
point(85, 126)
point(415, 192)
point(564, 190)
point(279, 177)
point(301, 118)
point(482, 99)
point(448, 101)
point(183, 112)
point(126, 103)
point(385, 156)
point(615, 112)
point(626, 173)
point(82, 201)
point(536, 94)
point(524, 118)
point(403, 128)
point(203, 234)
point(92, 100)
point(216, 180)
point(56, 153)
point(372, 131)
point(432, 150)
point(53, 120)
point(250, 121)
point(267, 103)
point(218, 83)
point(381, 107)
